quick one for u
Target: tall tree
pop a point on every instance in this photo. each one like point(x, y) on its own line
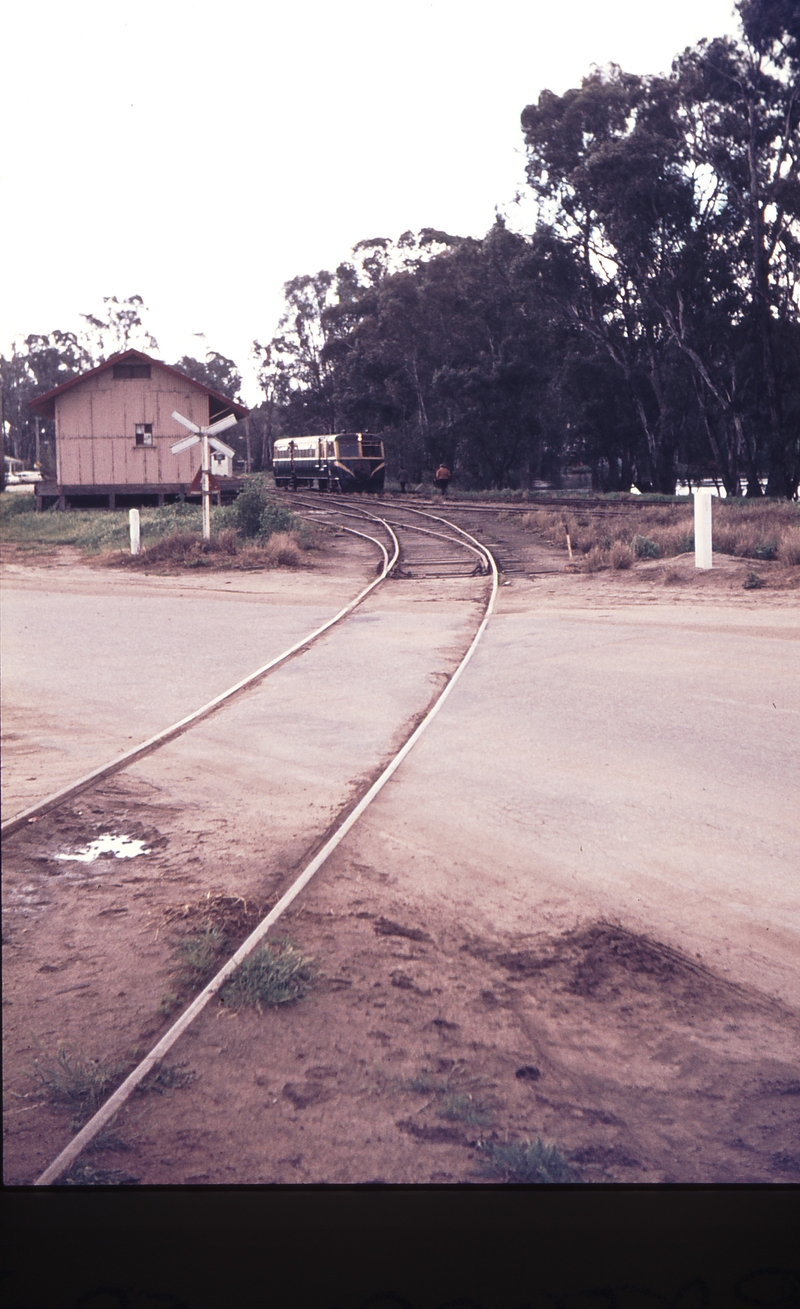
point(741, 104)
point(121, 328)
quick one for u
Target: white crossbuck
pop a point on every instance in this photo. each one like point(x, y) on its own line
point(200, 432)
point(208, 437)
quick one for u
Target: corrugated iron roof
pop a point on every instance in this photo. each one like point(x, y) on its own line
point(45, 404)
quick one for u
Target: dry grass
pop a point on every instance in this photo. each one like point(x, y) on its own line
point(226, 550)
point(616, 538)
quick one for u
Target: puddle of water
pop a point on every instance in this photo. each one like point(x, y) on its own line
point(122, 847)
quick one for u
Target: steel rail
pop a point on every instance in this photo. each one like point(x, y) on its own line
point(177, 729)
point(437, 517)
point(115, 1102)
point(426, 531)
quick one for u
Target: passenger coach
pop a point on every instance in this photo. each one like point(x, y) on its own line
point(349, 461)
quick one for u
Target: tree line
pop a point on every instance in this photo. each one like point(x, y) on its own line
point(647, 329)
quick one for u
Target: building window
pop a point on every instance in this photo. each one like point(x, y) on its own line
point(144, 433)
point(131, 370)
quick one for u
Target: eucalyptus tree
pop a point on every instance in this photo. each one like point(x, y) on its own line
point(121, 328)
point(740, 104)
point(216, 370)
point(41, 362)
point(616, 208)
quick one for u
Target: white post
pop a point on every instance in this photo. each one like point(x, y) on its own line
point(206, 479)
point(702, 528)
point(133, 519)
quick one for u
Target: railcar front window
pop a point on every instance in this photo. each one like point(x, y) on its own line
point(349, 449)
point(371, 449)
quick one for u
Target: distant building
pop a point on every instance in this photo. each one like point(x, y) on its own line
point(114, 429)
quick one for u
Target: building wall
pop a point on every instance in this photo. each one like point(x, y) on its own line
point(96, 430)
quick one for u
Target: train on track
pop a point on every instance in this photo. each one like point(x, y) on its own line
point(347, 461)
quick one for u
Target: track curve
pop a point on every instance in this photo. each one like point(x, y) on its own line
point(111, 1107)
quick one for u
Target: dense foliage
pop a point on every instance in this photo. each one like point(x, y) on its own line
point(648, 329)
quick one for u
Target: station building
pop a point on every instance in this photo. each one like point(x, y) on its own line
point(114, 429)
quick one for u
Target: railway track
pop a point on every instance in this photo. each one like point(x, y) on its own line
point(412, 543)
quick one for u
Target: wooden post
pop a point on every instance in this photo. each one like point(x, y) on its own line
point(702, 528)
point(206, 485)
point(135, 526)
point(249, 465)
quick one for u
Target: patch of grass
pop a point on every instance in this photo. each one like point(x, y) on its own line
point(283, 550)
point(620, 555)
point(11, 505)
point(789, 546)
point(654, 529)
point(527, 1161)
point(106, 1140)
point(167, 1077)
point(753, 582)
point(272, 975)
point(197, 957)
point(464, 1109)
point(74, 1080)
point(424, 1083)
point(84, 1175)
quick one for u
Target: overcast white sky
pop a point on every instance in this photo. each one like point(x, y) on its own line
point(201, 154)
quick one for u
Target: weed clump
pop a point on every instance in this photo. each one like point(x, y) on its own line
point(464, 1109)
point(74, 1081)
point(167, 1077)
point(644, 548)
point(789, 547)
point(197, 958)
point(753, 582)
point(620, 555)
point(85, 1175)
point(527, 1161)
point(282, 550)
point(272, 975)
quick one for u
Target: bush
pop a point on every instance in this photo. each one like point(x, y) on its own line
point(275, 518)
point(766, 550)
point(645, 548)
point(249, 507)
point(13, 504)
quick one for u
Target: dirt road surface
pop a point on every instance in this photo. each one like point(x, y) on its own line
point(572, 913)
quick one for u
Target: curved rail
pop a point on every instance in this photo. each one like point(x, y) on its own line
point(425, 531)
point(177, 729)
point(114, 1103)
